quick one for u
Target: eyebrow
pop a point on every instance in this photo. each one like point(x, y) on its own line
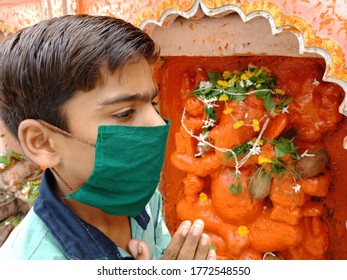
point(128, 97)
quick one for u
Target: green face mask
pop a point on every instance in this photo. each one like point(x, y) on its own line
point(128, 163)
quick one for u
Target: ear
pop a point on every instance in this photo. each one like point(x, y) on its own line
point(38, 143)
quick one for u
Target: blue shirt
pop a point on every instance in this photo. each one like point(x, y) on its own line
point(51, 231)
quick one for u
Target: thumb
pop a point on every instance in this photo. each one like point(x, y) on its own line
point(139, 250)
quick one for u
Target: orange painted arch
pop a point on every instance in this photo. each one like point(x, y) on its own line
point(280, 22)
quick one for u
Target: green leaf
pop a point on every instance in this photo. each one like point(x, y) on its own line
point(34, 192)
point(287, 101)
point(233, 174)
point(268, 102)
point(215, 93)
point(214, 76)
point(281, 150)
point(254, 80)
point(239, 98)
point(236, 188)
point(210, 113)
point(5, 160)
point(242, 149)
point(195, 94)
point(285, 146)
point(207, 90)
point(261, 94)
point(232, 90)
point(15, 155)
point(241, 89)
point(278, 167)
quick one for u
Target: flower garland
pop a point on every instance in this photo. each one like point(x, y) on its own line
point(237, 86)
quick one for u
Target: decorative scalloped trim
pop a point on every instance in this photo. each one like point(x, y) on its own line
point(7, 28)
point(326, 48)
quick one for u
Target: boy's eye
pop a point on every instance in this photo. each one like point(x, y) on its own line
point(125, 115)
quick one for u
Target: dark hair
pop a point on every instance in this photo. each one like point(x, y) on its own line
point(42, 66)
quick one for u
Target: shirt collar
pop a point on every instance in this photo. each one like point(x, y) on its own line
point(78, 239)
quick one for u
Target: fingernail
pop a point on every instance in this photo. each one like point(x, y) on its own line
point(187, 223)
point(185, 231)
point(185, 226)
point(139, 249)
point(198, 226)
point(212, 255)
point(205, 239)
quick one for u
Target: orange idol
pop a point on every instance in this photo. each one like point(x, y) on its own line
point(253, 152)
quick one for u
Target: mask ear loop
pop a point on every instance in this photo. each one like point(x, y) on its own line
point(61, 178)
point(65, 133)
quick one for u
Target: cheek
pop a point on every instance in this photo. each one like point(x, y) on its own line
point(80, 161)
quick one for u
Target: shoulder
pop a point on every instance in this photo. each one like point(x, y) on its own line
point(160, 233)
point(156, 201)
point(31, 240)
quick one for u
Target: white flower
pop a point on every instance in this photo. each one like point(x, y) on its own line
point(202, 138)
point(204, 85)
point(285, 110)
point(315, 82)
point(208, 123)
point(199, 154)
point(201, 144)
point(297, 188)
point(255, 150)
point(306, 154)
point(249, 83)
point(209, 103)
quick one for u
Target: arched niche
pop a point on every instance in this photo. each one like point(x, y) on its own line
point(204, 34)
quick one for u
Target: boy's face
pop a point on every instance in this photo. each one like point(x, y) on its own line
point(125, 98)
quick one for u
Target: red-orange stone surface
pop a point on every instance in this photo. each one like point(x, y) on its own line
point(304, 224)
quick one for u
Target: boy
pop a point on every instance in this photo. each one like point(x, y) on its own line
point(78, 93)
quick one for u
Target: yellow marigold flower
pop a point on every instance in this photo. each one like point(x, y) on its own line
point(260, 142)
point(223, 97)
point(244, 77)
point(256, 126)
point(280, 91)
point(243, 230)
point(226, 74)
point(258, 86)
point(259, 72)
point(238, 124)
point(203, 197)
point(262, 160)
point(222, 83)
point(228, 111)
point(234, 79)
point(249, 74)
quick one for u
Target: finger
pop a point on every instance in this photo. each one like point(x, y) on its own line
point(177, 241)
point(191, 243)
point(212, 255)
point(139, 250)
point(203, 247)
